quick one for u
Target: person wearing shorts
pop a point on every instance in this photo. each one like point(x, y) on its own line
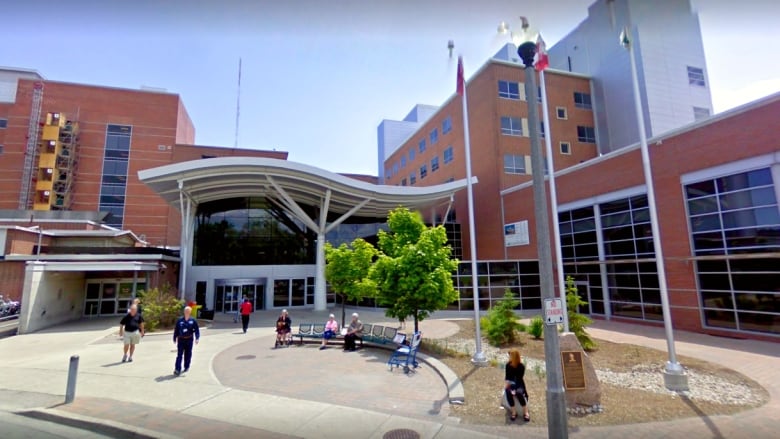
point(131, 329)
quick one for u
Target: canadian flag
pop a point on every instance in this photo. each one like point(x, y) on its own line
point(542, 60)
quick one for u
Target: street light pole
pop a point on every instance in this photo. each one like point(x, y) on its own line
point(556, 399)
point(674, 374)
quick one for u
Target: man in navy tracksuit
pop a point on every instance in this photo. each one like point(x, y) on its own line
point(185, 332)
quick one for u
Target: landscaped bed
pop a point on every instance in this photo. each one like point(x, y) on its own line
point(631, 383)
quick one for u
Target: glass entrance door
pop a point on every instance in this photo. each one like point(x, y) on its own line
point(583, 290)
point(229, 293)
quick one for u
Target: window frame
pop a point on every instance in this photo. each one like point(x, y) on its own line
point(451, 155)
point(581, 102)
point(696, 76)
point(508, 94)
point(512, 130)
point(514, 169)
point(568, 146)
point(587, 130)
point(558, 113)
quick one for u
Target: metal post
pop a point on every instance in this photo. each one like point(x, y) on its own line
point(674, 374)
point(73, 371)
point(553, 200)
point(557, 424)
point(320, 293)
point(479, 358)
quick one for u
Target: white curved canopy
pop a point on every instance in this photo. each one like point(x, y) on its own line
point(228, 177)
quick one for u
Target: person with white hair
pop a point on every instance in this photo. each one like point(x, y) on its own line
point(331, 329)
point(354, 330)
point(185, 333)
point(283, 326)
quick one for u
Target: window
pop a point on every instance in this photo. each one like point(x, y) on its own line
point(561, 113)
point(700, 113)
point(514, 164)
point(203, 156)
point(403, 161)
point(421, 145)
point(565, 148)
point(696, 76)
point(541, 129)
point(435, 164)
point(509, 90)
point(1, 149)
point(388, 174)
point(586, 134)
point(114, 175)
point(446, 125)
point(412, 178)
point(511, 126)
point(411, 154)
point(3, 123)
point(582, 100)
point(403, 182)
point(448, 155)
point(423, 171)
point(395, 168)
point(434, 135)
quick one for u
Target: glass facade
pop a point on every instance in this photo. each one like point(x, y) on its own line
point(113, 183)
point(494, 279)
point(625, 269)
point(735, 236)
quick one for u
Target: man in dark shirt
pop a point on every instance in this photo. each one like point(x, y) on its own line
point(185, 332)
point(131, 329)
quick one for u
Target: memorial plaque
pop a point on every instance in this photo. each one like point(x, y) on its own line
point(573, 370)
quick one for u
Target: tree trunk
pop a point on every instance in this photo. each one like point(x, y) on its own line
point(343, 309)
point(416, 323)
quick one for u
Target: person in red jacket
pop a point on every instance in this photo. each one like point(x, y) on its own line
point(246, 309)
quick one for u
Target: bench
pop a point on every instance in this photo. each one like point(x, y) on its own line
point(376, 334)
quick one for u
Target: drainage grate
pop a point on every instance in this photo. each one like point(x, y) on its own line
point(246, 357)
point(401, 433)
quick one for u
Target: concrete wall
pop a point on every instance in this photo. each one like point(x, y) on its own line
point(50, 298)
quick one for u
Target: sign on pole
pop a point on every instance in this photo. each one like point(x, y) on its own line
point(553, 311)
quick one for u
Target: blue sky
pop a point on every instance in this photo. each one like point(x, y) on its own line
point(319, 76)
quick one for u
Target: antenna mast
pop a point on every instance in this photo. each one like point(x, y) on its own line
point(238, 103)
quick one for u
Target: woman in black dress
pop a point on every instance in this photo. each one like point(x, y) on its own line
point(515, 385)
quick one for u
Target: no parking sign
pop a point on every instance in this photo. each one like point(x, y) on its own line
point(553, 311)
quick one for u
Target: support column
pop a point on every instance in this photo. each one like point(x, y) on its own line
point(320, 293)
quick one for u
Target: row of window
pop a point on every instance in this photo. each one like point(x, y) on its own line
point(447, 158)
point(513, 126)
point(422, 145)
point(511, 90)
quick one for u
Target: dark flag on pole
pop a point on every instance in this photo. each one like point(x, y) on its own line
point(461, 81)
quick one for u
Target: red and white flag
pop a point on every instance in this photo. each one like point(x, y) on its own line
point(461, 81)
point(542, 60)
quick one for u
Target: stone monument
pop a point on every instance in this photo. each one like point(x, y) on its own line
point(583, 390)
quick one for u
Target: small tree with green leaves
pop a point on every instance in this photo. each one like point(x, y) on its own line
point(161, 307)
point(413, 273)
point(347, 271)
point(577, 321)
point(501, 321)
point(536, 328)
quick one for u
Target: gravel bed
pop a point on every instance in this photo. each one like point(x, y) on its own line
point(649, 378)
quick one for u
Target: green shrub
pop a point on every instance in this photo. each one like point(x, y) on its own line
point(502, 323)
point(536, 328)
point(577, 321)
point(161, 308)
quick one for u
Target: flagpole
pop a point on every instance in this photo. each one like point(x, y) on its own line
point(674, 374)
point(479, 358)
point(553, 199)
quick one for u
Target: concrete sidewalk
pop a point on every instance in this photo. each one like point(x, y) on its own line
point(144, 398)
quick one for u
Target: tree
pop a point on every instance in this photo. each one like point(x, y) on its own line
point(577, 321)
point(347, 270)
point(413, 273)
point(501, 323)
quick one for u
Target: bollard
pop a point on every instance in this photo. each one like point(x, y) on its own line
point(73, 370)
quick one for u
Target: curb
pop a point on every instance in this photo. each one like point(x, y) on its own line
point(95, 425)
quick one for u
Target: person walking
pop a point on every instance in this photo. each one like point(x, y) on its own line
point(246, 309)
point(131, 329)
point(137, 303)
point(184, 334)
point(354, 331)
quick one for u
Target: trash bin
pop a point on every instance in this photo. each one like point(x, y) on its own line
point(196, 310)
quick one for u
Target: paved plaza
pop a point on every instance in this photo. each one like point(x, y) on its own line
point(239, 385)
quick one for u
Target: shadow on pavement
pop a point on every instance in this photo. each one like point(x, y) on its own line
point(163, 378)
point(111, 364)
point(716, 434)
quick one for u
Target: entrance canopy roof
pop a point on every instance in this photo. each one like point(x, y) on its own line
point(229, 177)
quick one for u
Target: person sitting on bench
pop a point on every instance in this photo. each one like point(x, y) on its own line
point(331, 328)
point(354, 331)
point(283, 326)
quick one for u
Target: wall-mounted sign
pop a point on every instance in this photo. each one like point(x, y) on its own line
point(516, 234)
